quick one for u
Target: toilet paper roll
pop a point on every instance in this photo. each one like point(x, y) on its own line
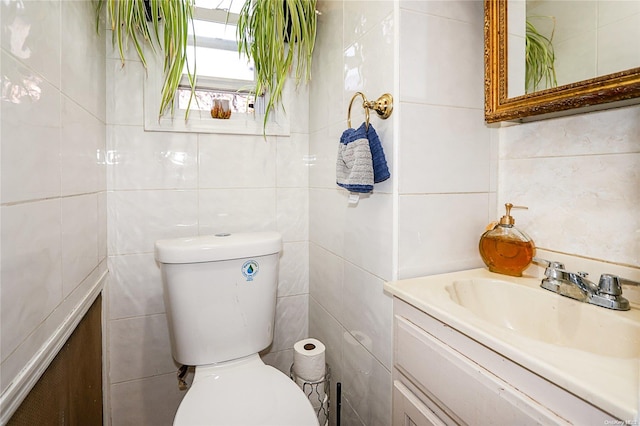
point(309, 359)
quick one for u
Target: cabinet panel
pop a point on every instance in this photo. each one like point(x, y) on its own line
point(408, 410)
point(563, 404)
point(455, 382)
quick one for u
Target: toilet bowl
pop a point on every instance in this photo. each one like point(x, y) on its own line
point(244, 393)
point(220, 295)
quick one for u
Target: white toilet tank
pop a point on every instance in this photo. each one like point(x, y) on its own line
point(219, 294)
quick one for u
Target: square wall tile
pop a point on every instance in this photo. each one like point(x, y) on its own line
point(79, 239)
point(124, 99)
point(30, 135)
point(291, 323)
point(293, 276)
point(429, 73)
point(359, 21)
point(324, 327)
point(31, 283)
point(150, 401)
point(471, 11)
point(82, 143)
point(368, 61)
point(138, 218)
point(323, 153)
point(293, 213)
point(368, 313)
point(297, 101)
point(327, 216)
point(440, 233)
point(368, 236)
point(135, 287)
point(236, 161)
point(327, 87)
point(32, 36)
point(594, 197)
point(366, 384)
point(326, 272)
point(292, 161)
point(236, 210)
point(139, 347)
point(152, 160)
point(83, 64)
point(452, 156)
point(612, 131)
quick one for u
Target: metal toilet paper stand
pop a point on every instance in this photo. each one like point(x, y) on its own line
point(319, 399)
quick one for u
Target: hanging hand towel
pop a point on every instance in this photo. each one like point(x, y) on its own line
point(354, 167)
point(380, 168)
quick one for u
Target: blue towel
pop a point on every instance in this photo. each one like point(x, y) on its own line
point(361, 161)
point(354, 167)
point(380, 168)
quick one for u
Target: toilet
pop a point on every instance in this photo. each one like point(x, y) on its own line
point(220, 298)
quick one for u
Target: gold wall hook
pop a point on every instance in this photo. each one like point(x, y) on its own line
point(383, 106)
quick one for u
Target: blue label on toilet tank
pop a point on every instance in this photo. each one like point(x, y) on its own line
point(250, 269)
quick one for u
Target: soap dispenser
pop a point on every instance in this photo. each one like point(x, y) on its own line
point(504, 248)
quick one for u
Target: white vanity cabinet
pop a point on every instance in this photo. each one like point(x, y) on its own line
point(443, 377)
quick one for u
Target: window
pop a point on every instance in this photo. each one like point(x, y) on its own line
point(221, 74)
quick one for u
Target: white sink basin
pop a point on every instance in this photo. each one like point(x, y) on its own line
point(590, 351)
point(547, 317)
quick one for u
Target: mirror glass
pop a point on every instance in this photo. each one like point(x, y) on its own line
point(583, 40)
point(592, 52)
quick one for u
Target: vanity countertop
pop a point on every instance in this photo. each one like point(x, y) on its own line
point(589, 351)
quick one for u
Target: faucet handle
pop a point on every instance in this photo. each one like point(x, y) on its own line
point(549, 264)
point(609, 284)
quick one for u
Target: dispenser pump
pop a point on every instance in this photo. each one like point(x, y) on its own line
point(504, 248)
point(507, 219)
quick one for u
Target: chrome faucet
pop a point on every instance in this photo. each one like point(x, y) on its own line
point(607, 293)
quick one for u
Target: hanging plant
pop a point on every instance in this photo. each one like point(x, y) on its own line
point(539, 59)
point(279, 36)
point(160, 24)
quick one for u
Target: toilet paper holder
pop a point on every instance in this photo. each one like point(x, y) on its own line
point(317, 392)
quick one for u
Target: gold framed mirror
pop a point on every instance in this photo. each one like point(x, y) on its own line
point(607, 91)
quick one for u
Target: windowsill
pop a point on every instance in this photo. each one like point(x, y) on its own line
point(201, 122)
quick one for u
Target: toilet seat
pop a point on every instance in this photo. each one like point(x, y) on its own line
point(244, 394)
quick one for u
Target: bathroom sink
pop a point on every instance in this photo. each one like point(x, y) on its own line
point(590, 351)
point(546, 317)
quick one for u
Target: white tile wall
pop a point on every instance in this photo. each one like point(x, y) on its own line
point(442, 159)
point(53, 178)
point(579, 177)
point(446, 152)
point(351, 248)
point(436, 76)
point(168, 184)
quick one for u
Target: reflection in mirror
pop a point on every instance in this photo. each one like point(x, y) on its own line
point(595, 51)
point(588, 39)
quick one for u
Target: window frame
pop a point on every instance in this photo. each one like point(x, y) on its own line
point(200, 121)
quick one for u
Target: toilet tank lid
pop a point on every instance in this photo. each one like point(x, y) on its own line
point(211, 248)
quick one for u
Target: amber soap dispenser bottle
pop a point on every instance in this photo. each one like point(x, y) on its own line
point(505, 249)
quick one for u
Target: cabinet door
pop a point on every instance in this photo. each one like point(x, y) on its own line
point(408, 410)
point(458, 384)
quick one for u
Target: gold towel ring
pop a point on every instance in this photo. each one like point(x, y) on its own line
point(383, 106)
point(366, 110)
